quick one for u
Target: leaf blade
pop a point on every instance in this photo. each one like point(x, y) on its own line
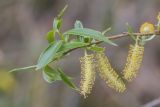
point(86, 32)
point(67, 47)
point(66, 80)
point(23, 68)
point(47, 55)
point(51, 75)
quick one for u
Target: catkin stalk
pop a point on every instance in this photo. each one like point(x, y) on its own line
point(87, 74)
point(108, 74)
point(133, 63)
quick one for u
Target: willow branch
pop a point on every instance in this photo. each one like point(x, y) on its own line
point(125, 34)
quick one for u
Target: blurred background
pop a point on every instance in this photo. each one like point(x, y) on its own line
point(23, 24)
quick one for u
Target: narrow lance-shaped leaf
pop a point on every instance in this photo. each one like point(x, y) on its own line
point(67, 80)
point(96, 48)
point(56, 74)
point(72, 45)
point(106, 30)
point(49, 54)
point(89, 33)
point(62, 12)
point(78, 24)
point(50, 75)
point(65, 48)
point(130, 31)
point(56, 24)
point(22, 69)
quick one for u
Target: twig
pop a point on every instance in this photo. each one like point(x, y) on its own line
point(116, 37)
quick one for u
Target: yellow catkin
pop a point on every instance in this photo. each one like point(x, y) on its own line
point(87, 74)
point(107, 73)
point(133, 63)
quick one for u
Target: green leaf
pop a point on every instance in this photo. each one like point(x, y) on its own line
point(50, 36)
point(58, 21)
point(66, 80)
point(49, 54)
point(24, 68)
point(96, 48)
point(130, 31)
point(85, 32)
point(71, 45)
point(67, 47)
point(145, 39)
point(107, 30)
point(60, 15)
point(57, 24)
point(50, 75)
point(66, 38)
point(78, 24)
point(149, 38)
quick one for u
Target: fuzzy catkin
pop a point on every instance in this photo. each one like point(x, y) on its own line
point(133, 63)
point(108, 74)
point(87, 74)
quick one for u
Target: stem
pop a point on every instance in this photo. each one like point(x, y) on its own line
point(116, 37)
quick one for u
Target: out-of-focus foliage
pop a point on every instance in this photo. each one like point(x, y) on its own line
point(7, 81)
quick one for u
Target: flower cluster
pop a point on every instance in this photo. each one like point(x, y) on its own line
point(87, 74)
point(105, 70)
point(108, 74)
point(134, 60)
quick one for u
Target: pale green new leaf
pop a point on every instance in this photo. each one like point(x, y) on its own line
point(130, 31)
point(60, 15)
point(96, 48)
point(78, 24)
point(49, 54)
point(50, 75)
point(22, 69)
point(149, 38)
point(72, 45)
point(57, 24)
point(106, 30)
point(67, 80)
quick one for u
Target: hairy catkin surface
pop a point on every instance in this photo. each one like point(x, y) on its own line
point(87, 74)
point(133, 63)
point(107, 73)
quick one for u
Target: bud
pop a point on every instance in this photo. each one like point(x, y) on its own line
point(147, 28)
